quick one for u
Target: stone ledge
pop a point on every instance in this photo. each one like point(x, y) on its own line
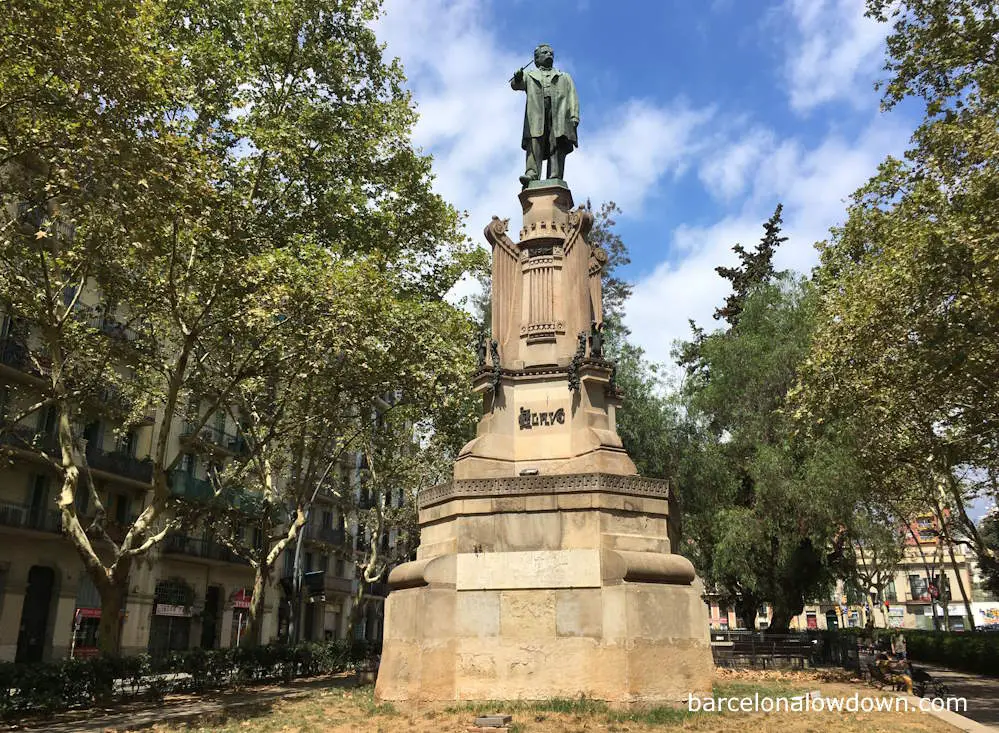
point(543, 569)
point(638, 486)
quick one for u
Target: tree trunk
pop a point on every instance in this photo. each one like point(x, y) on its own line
point(255, 624)
point(746, 608)
point(112, 592)
point(780, 622)
point(960, 586)
point(945, 532)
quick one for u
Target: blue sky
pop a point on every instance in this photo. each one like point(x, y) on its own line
point(696, 118)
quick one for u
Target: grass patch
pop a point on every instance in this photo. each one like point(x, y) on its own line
point(658, 715)
point(365, 699)
point(581, 705)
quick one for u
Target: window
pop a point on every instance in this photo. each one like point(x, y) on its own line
point(308, 561)
point(118, 506)
point(126, 444)
point(47, 421)
point(188, 463)
point(918, 587)
point(891, 595)
point(324, 562)
point(68, 294)
point(926, 529)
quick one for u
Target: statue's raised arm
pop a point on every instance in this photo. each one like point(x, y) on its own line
point(550, 116)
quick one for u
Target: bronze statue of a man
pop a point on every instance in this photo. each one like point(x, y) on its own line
point(551, 115)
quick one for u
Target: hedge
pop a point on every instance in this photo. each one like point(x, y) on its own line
point(967, 651)
point(49, 687)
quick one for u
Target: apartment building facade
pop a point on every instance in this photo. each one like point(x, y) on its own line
point(190, 590)
point(924, 594)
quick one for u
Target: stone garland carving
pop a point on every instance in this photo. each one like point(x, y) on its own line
point(481, 350)
point(495, 355)
point(577, 361)
point(596, 340)
point(637, 486)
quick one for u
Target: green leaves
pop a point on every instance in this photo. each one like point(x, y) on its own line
point(233, 183)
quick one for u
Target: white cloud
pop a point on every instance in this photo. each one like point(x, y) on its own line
point(836, 52)
point(727, 169)
point(470, 119)
point(812, 183)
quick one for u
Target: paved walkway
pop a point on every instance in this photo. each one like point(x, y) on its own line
point(982, 693)
point(177, 708)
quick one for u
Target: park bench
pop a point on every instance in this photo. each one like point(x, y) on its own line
point(761, 649)
point(882, 678)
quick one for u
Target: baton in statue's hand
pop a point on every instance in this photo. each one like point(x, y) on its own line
point(521, 69)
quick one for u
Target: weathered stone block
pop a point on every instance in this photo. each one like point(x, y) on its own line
point(579, 612)
point(477, 613)
point(527, 615)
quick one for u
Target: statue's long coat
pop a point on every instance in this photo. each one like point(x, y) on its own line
point(565, 107)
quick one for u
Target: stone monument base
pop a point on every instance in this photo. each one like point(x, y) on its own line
point(533, 587)
point(548, 623)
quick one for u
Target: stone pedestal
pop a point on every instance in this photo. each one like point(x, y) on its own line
point(545, 568)
point(543, 586)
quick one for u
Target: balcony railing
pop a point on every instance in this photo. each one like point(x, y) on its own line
point(120, 464)
point(329, 535)
point(185, 486)
point(111, 326)
point(29, 438)
point(188, 487)
point(13, 353)
point(214, 436)
point(200, 547)
point(315, 582)
point(24, 516)
point(376, 589)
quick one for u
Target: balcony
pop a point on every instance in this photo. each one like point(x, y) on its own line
point(213, 437)
point(13, 353)
point(186, 486)
point(379, 590)
point(320, 583)
point(29, 438)
point(112, 327)
point(200, 547)
point(23, 516)
point(120, 463)
point(329, 535)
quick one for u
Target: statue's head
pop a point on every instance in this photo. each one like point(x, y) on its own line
point(544, 56)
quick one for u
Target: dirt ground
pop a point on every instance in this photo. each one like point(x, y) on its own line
point(350, 710)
